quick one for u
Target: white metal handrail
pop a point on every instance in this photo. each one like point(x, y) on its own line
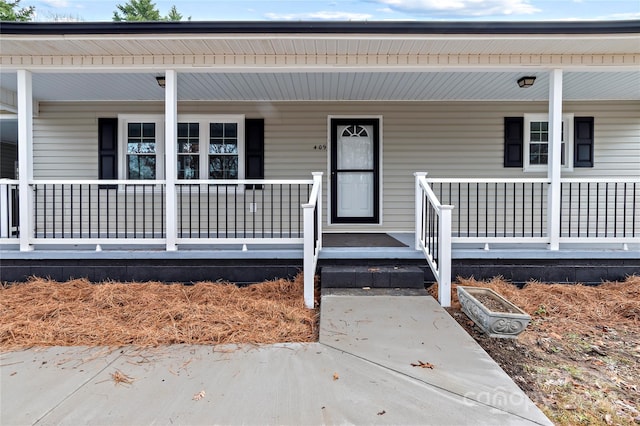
point(84, 211)
point(8, 210)
point(433, 235)
point(312, 238)
point(590, 210)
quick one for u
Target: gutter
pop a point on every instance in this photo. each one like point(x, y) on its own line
point(321, 27)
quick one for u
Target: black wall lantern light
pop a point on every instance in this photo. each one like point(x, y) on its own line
point(162, 82)
point(525, 82)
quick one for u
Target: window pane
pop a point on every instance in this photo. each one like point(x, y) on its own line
point(148, 147)
point(183, 130)
point(216, 130)
point(141, 147)
point(535, 126)
point(186, 147)
point(188, 167)
point(188, 130)
point(223, 167)
point(223, 148)
point(231, 147)
point(230, 130)
point(149, 130)
point(141, 167)
point(538, 153)
point(216, 147)
point(134, 130)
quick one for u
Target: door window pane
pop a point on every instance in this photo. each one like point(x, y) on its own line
point(355, 194)
point(355, 148)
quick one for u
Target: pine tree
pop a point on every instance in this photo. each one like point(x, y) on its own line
point(143, 10)
point(137, 10)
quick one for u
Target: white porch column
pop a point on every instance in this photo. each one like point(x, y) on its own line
point(170, 144)
point(555, 157)
point(25, 157)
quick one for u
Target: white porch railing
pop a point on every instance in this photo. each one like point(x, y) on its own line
point(133, 212)
point(9, 213)
point(241, 212)
point(433, 235)
point(591, 210)
point(600, 210)
point(495, 210)
point(492, 211)
point(312, 238)
point(97, 212)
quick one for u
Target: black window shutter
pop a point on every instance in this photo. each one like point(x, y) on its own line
point(107, 148)
point(513, 141)
point(583, 142)
point(254, 150)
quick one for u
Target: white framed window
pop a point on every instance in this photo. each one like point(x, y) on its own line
point(210, 147)
point(141, 143)
point(536, 142)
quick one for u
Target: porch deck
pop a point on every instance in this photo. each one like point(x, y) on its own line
point(232, 262)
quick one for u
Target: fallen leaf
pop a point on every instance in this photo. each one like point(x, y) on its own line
point(381, 413)
point(199, 395)
point(335, 376)
point(13, 374)
point(607, 418)
point(422, 364)
point(120, 378)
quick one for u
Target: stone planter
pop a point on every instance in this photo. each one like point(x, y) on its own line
point(494, 314)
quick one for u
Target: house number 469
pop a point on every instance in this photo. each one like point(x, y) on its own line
point(320, 147)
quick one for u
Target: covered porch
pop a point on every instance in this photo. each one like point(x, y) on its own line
point(492, 227)
point(451, 169)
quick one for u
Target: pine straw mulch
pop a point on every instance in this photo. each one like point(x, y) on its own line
point(562, 304)
point(579, 359)
point(43, 312)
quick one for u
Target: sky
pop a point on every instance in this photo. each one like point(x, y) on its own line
point(353, 10)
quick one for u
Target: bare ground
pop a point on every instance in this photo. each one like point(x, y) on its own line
point(580, 367)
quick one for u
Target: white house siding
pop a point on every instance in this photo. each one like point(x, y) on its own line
point(445, 139)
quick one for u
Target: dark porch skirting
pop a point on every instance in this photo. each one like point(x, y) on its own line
point(240, 271)
point(251, 270)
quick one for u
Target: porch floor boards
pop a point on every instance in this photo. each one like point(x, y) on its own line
point(257, 263)
point(402, 249)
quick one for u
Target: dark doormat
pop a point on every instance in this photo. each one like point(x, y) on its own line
point(360, 240)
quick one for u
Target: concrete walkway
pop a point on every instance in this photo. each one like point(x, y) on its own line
point(359, 373)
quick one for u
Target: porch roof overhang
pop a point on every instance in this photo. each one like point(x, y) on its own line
point(276, 61)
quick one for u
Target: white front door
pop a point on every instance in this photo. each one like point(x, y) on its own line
point(354, 170)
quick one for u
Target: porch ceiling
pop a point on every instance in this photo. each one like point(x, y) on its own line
point(329, 86)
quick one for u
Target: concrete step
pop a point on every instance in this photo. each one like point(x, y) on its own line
point(371, 276)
